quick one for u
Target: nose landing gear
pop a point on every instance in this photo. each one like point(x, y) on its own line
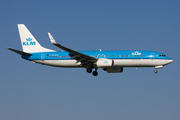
point(155, 71)
point(157, 67)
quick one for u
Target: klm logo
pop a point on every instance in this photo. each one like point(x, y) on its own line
point(106, 62)
point(29, 42)
point(136, 53)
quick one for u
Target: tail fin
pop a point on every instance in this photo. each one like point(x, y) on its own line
point(28, 42)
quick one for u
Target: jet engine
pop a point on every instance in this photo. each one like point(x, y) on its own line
point(104, 63)
point(114, 69)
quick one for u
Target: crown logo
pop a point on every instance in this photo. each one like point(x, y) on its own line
point(106, 62)
point(28, 39)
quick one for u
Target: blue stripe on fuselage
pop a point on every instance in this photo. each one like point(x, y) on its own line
point(98, 54)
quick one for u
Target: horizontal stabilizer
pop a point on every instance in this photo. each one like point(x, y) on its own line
point(19, 52)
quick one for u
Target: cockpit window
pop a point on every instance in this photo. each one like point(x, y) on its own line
point(162, 55)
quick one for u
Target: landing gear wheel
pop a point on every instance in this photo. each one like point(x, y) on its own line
point(95, 73)
point(89, 70)
point(155, 71)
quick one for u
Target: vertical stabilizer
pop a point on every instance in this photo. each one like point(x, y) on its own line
point(28, 42)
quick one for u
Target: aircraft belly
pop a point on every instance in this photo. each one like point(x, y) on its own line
point(139, 62)
point(58, 63)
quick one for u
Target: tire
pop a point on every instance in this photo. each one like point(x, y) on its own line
point(89, 70)
point(95, 73)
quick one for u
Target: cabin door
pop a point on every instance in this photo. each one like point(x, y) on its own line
point(42, 57)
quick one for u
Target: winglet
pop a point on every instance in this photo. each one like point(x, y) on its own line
point(51, 38)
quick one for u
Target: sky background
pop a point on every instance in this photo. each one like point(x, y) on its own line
point(35, 92)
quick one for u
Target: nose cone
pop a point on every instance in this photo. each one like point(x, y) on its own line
point(169, 61)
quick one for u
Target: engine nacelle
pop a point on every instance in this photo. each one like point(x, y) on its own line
point(104, 63)
point(114, 69)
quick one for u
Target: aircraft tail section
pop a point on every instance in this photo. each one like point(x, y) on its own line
point(28, 42)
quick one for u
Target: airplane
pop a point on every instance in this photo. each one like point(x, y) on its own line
point(109, 61)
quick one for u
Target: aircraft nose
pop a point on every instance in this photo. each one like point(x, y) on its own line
point(170, 61)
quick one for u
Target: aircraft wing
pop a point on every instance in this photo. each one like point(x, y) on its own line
point(80, 57)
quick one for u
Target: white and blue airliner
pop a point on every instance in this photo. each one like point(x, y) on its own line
point(110, 61)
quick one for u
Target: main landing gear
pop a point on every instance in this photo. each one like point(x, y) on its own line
point(89, 70)
point(95, 73)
